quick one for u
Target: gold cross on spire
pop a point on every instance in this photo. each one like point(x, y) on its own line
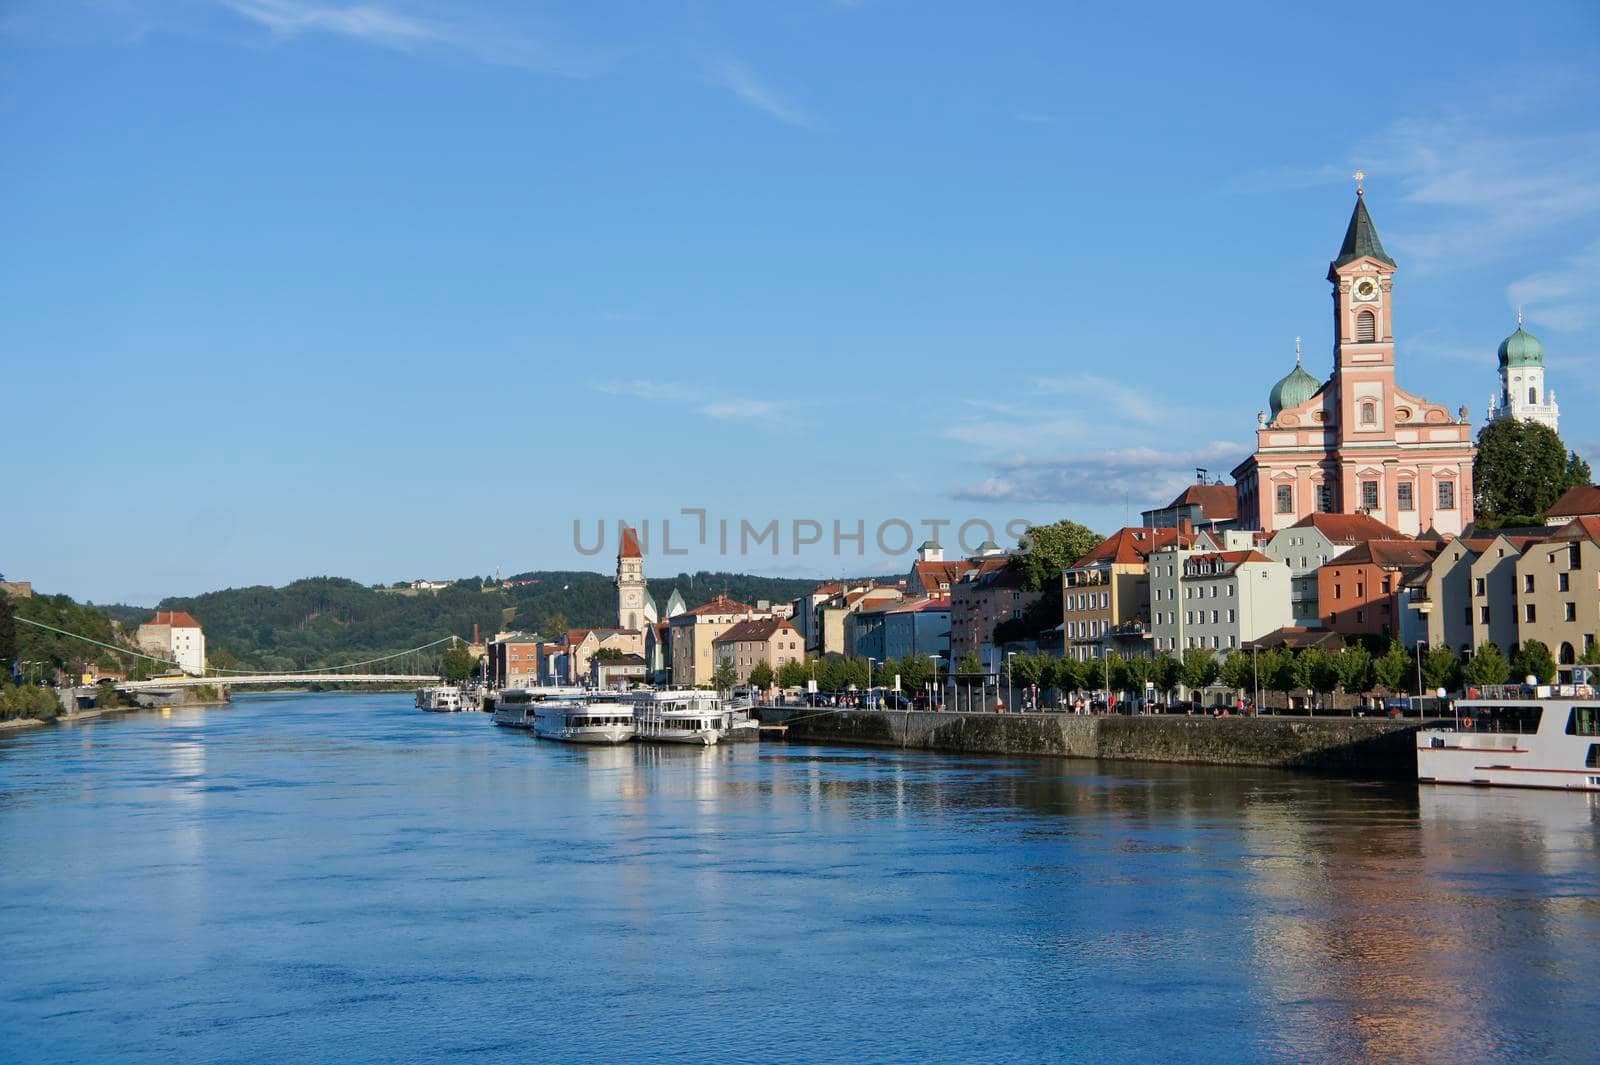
point(1360, 176)
point(1297, 351)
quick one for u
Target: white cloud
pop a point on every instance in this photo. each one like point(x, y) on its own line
point(1144, 476)
point(1565, 296)
point(722, 407)
point(730, 73)
point(386, 27)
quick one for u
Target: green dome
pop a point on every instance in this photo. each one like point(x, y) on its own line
point(1521, 348)
point(1293, 390)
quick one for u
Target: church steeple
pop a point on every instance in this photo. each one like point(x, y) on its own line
point(1360, 239)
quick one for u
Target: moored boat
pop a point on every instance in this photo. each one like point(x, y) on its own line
point(678, 716)
point(1517, 736)
point(516, 707)
point(598, 720)
point(444, 699)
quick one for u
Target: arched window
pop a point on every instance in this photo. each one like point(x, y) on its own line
point(1366, 327)
point(1533, 396)
point(1369, 413)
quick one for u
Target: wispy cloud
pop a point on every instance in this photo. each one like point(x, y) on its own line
point(1144, 476)
point(1565, 296)
point(389, 27)
point(733, 74)
point(727, 408)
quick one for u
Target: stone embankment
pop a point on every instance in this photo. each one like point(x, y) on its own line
point(1369, 747)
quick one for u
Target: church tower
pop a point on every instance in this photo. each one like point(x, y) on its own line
point(632, 609)
point(1523, 395)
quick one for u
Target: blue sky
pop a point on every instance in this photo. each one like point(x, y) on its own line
point(400, 289)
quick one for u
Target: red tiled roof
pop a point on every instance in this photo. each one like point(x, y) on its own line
point(630, 544)
point(1585, 526)
point(178, 619)
point(1131, 546)
point(1217, 502)
point(1389, 554)
point(1577, 501)
point(759, 630)
point(934, 574)
point(720, 605)
point(1348, 528)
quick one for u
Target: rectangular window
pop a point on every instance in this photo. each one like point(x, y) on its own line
point(1572, 612)
point(1403, 496)
point(1562, 584)
point(1325, 498)
point(1369, 494)
point(1480, 587)
point(1528, 613)
point(1285, 499)
point(1447, 495)
point(1483, 615)
point(1527, 582)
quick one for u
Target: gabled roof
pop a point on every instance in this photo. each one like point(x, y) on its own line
point(757, 631)
point(178, 619)
point(1217, 502)
point(1388, 554)
point(720, 605)
point(933, 574)
point(1348, 528)
point(1577, 501)
point(1360, 239)
point(619, 660)
point(630, 544)
point(1131, 546)
point(1584, 527)
point(1297, 638)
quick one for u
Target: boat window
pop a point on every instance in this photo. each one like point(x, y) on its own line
point(1584, 721)
point(1522, 718)
point(1593, 761)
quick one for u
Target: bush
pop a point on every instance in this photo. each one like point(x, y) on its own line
point(29, 700)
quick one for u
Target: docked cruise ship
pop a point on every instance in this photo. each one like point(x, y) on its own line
point(601, 719)
point(1517, 736)
point(516, 707)
point(678, 716)
point(444, 699)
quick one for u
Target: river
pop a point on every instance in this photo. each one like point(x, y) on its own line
point(343, 878)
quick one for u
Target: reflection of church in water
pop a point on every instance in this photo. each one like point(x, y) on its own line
point(1357, 442)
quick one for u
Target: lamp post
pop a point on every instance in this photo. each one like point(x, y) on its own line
point(1010, 688)
point(1255, 676)
point(870, 660)
point(933, 691)
point(1420, 694)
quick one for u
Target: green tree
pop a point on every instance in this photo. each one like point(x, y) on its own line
point(1393, 671)
point(725, 676)
point(969, 664)
point(794, 674)
point(1199, 668)
point(1028, 670)
point(1487, 666)
point(1533, 659)
point(761, 676)
point(1354, 666)
point(1280, 670)
point(1236, 670)
point(1520, 471)
point(459, 662)
point(1441, 668)
point(1319, 670)
point(1168, 673)
point(1591, 655)
point(1065, 675)
point(8, 635)
point(1046, 550)
point(1138, 671)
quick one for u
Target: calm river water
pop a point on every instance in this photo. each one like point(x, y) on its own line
point(342, 878)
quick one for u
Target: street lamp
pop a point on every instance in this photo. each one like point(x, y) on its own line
point(870, 660)
point(1009, 690)
point(1420, 693)
point(933, 691)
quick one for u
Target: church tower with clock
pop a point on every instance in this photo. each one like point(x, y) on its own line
point(635, 609)
point(1357, 443)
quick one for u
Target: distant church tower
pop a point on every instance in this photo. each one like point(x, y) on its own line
point(1523, 395)
point(635, 609)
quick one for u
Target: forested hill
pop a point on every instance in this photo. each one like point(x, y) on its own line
point(323, 621)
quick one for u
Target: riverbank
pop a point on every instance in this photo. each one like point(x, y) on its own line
point(1360, 747)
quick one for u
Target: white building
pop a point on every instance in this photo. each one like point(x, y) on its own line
point(1217, 600)
point(176, 636)
point(1523, 394)
point(1308, 545)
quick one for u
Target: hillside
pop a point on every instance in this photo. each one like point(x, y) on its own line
point(323, 621)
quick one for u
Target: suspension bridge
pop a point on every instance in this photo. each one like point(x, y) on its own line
point(344, 673)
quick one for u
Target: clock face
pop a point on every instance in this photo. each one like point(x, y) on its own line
point(1366, 289)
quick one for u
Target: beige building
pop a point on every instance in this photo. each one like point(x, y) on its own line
point(566, 661)
point(1106, 593)
point(772, 641)
point(693, 635)
point(832, 634)
point(1467, 595)
point(1558, 591)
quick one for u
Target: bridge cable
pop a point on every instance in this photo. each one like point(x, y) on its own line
point(97, 643)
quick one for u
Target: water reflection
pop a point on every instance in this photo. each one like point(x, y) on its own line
point(343, 878)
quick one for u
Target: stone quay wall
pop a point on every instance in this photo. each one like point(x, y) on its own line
point(1368, 747)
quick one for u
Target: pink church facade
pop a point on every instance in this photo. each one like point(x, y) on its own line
point(1358, 443)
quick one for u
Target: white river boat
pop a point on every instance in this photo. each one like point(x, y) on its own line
point(516, 707)
point(1516, 736)
point(679, 716)
point(605, 720)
